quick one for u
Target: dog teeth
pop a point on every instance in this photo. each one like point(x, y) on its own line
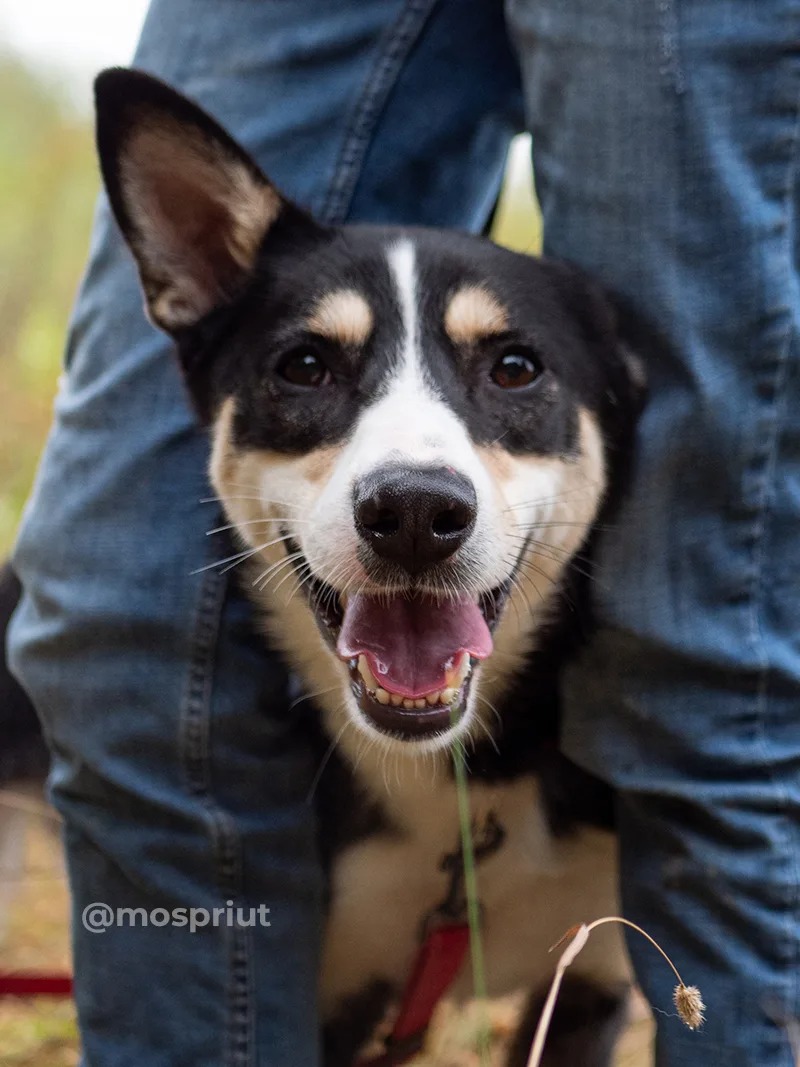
point(363, 669)
point(448, 695)
point(456, 675)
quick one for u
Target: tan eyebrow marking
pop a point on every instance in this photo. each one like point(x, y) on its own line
point(344, 316)
point(473, 313)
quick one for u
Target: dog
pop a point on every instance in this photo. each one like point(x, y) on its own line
point(416, 435)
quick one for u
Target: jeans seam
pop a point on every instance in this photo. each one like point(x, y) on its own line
point(396, 44)
point(765, 502)
point(194, 743)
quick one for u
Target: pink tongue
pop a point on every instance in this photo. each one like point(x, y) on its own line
point(409, 644)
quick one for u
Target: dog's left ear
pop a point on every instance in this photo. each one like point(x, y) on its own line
point(192, 205)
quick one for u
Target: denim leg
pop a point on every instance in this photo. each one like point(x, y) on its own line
point(177, 766)
point(666, 145)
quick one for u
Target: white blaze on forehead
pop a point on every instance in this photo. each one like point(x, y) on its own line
point(403, 266)
point(409, 421)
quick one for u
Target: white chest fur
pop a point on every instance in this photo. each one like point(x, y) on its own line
point(532, 888)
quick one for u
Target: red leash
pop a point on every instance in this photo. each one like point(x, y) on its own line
point(438, 962)
point(29, 984)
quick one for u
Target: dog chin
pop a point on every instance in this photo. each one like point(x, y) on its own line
point(407, 739)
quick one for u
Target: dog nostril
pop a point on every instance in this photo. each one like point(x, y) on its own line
point(384, 522)
point(453, 520)
point(377, 518)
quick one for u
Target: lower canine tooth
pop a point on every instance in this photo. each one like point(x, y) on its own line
point(408, 703)
point(366, 673)
point(382, 696)
point(447, 696)
point(432, 698)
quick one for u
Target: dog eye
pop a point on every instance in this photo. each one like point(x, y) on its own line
point(513, 370)
point(305, 368)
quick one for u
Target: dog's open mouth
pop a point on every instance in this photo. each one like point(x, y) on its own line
point(410, 656)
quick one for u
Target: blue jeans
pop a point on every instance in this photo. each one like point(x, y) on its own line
point(666, 138)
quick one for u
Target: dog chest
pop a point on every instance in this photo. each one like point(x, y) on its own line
point(532, 887)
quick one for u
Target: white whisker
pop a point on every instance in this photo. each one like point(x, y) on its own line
point(238, 557)
point(254, 522)
point(326, 759)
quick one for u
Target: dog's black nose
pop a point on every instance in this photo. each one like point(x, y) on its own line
point(415, 516)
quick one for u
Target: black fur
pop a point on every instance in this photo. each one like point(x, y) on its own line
point(555, 314)
point(587, 1023)
point(342, 1038)
point(578, 358)
point(23, 754)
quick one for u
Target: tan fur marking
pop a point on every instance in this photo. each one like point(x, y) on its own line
point(343, 316)
point(223, 459)
point(474, 313)
point(498, 461)
point(320, 464)
point(231, 468)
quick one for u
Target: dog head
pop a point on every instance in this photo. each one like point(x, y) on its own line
point(411, 428)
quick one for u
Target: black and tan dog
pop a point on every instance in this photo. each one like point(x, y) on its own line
point(416, 433)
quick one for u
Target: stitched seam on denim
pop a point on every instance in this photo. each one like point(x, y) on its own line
point(194, 743)
point(241, 1019)
point(759, 588)
point(396, 44)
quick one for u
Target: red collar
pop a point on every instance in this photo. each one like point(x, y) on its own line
point(435, 968)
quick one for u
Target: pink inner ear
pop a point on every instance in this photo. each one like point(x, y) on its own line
point(196, 232)
point(200, 215)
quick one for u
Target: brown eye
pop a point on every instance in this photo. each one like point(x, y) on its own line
point(305, 368)
point(514, 370)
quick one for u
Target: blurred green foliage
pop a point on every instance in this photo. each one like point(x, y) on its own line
point(48, 181)
point(517, 220)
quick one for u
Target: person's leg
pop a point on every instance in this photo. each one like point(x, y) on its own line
point(176, 765)
point(666, 139)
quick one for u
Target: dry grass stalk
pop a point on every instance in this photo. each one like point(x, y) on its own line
point(688, 999)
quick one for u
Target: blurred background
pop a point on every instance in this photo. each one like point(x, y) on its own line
point(49, 53)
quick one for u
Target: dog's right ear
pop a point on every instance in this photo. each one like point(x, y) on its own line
point(191, 203)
